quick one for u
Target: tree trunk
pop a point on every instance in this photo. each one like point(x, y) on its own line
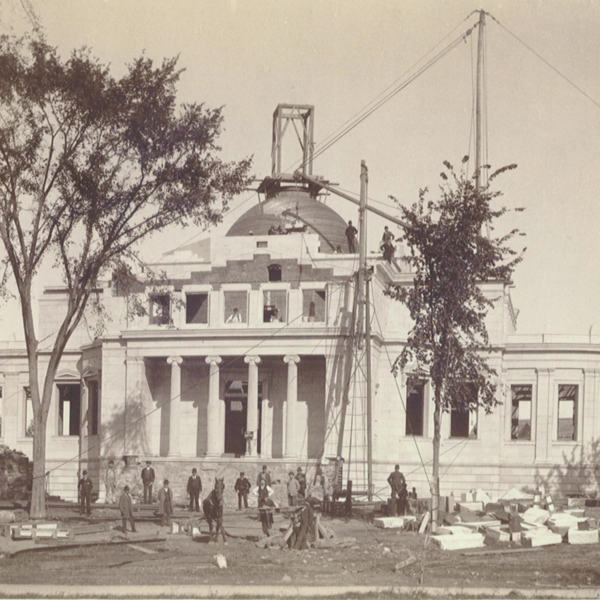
point(38, 489)
point(435, 483)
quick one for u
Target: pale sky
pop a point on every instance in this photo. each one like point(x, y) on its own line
point(339, 55)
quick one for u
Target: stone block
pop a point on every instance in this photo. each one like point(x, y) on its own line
point(458, 542)
point(497, 534)
point(470, 506)
point(540, 537)
point(393, 522)
point(535, 515)
point(578, 536)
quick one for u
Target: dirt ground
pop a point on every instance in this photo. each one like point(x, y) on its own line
point(371, 560)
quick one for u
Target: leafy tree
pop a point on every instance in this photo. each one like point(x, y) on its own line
point(452, 254)
point(90, 165)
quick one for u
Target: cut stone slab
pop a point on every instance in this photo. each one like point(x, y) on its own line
point(582, 536)
point(535, 515)
point(472, 506)
point(536, 538)
point(475, 525)
point(393, 522)
point(516, 494)
point(562, 522)
point(458, 542)
point(497, 534)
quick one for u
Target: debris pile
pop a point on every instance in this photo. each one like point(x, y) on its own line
point(516, 517)
point(15, 474)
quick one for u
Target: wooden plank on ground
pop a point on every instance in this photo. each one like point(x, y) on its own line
point(142, 549)
point(502, 551)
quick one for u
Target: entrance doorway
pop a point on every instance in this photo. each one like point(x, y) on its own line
point(236, 411)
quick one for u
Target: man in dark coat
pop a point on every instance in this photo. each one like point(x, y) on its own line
point(301, 477)
point(351, 232)
point(126, 508)
point(147, 480)
point(242, 487)
point(398, 485)
point(165, 503)
point(264, 474)
point(85, 494)
point(194, 487)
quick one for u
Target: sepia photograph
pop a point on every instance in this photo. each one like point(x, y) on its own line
point(299, 299)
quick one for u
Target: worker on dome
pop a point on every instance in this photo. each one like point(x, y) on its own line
point(351, 232)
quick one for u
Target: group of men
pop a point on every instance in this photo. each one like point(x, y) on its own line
point(386, 245)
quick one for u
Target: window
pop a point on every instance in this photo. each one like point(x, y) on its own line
point(93, 408)
point(69, 408)
point(520, 425)
point(28, 412)
point(463, 420)
point(313, 305)
point(415, 402)
point(567, 412)
point(274, 272)
point(236, 307)
point(262, 244)
point(275, 306)
point(196, 308)
point(160, 309)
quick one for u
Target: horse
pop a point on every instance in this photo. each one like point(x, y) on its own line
point(212, 507)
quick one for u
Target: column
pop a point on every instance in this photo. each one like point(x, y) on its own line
point(252, 407)
point(174, 404)
point(214, 433)
point(291, 426)
point(544, 412)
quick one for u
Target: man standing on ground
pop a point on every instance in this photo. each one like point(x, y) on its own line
point(194, 487)
point(85, 494)
point(165, 503)
point(398, 485)
point(110, 482)
point(351, 232)
point(293, 489)
point(126, 508)
point(147, 480)
point(301, 477)
point(264, 475)
point(242, 487)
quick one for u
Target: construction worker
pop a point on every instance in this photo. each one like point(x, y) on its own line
point(85, 494)
point(387, 244)
point(264, 474)
point(242, 487)
point(194, 487)
point(398, 486)
point(126, 508)
point(147, 481)
point(293, 489)
point(165, 503)
point(351, 232)
point(301, 477)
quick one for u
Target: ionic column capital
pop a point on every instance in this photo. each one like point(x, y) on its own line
point(252, 360)
point(213, 360)
point(291, 358)
point(175, 360)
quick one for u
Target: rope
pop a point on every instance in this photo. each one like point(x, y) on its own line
point(546, 62)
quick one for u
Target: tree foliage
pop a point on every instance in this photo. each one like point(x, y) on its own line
point(452, 254)
point(90, 165)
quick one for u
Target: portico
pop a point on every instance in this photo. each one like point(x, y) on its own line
point(222, 405)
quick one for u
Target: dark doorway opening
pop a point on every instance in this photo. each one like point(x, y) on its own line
point(236, 411)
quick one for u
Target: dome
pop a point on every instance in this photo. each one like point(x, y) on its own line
point(318, 217)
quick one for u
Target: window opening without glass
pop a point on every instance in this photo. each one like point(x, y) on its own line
point(69, 408)
point(313, 305)
point(235, 307)
point(196, 308)
point(160, 309)
point(520, 427)
point(415, 401)
point(275, 306)
point(567, 412)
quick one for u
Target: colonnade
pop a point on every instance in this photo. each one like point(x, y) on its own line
point(215, 442)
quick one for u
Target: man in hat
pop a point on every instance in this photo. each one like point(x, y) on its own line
point(301, 477)
point(194, 487)
point(126, 508)
point(351, 232)
point(147, 480)
point(85, 494)
point(398, 486)
point(242, 487)
point(293, 489)
point(264, 474)
point(165, 503)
